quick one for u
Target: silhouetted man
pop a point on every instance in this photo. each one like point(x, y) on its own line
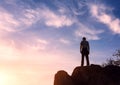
point(84, 49)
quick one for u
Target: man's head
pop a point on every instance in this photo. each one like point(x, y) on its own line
point(84, 38)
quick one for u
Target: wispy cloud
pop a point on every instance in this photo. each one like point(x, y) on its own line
point(28, 17)
point(90, 33)
point(81, 29)
point(99, 12)
point(47, 16)
point(64, 41)
point(55, 19)
point(37, 44)
point(7, 21)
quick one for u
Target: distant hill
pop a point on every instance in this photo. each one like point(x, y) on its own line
point(89, 75)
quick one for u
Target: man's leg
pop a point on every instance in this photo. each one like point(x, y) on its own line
point(82, 60)
point(87, 59)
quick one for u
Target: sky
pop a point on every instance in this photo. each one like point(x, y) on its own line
point(40, 37)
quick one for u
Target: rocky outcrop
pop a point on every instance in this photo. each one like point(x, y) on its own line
point(62, 78)
point(89, 75)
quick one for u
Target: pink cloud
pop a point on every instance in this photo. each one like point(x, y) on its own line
point(28, 66)
point(7, 21)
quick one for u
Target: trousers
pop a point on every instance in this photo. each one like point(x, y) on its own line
point(87, 59)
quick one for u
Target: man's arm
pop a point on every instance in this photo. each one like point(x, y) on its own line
point(80, 47)
point(88, 47)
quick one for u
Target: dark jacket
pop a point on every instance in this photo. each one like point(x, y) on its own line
point(84, 47)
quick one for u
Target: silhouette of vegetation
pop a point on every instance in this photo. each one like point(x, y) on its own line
point(115, 60)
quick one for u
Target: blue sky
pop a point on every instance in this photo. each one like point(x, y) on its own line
point(40, 37)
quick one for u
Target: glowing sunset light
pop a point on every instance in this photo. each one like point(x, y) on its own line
point(7, 78)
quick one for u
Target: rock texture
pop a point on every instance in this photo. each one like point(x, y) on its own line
point(89, 75)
